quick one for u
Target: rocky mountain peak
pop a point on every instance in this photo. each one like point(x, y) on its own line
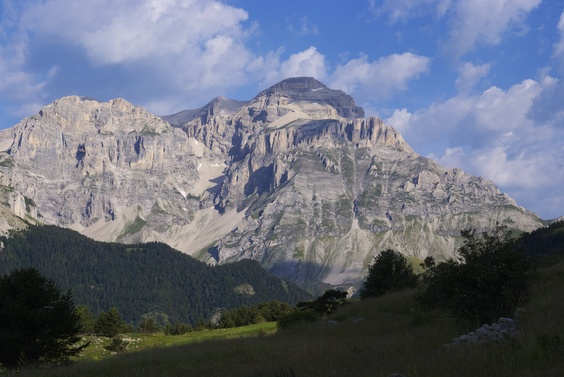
point(310, 90)
point(295, 86)
point(84, 114)
point(218, 106)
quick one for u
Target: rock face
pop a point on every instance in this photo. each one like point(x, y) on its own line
point(296, 178)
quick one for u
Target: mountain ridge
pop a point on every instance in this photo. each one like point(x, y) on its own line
point(294, 178)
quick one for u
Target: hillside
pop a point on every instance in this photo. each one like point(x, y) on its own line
point(141, 278)
point(545, 241)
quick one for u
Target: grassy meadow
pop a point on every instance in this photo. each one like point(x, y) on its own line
point(374, 337)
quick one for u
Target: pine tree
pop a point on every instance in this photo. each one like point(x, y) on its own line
point(38, 324)
point(110, 323)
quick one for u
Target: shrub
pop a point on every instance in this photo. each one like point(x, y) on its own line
point(178, 328)
point(488, 280)
point(390, 272)
point(298, 317)
point(117, 345)
point(325, 304)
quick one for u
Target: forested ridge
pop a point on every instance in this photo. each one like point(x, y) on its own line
point(548, 240)
point(142, 278)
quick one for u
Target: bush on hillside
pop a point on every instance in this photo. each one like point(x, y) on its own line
point(327, 303)
point(298, 317)
point(311, 311)
point(178, 328)
point(488, 280)
point(390, 272)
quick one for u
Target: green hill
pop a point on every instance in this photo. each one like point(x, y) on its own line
point(142, 278)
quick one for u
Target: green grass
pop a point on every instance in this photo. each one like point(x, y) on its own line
point(374, 337)
point(140, 342)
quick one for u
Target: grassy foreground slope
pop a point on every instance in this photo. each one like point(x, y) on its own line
point(375, 337)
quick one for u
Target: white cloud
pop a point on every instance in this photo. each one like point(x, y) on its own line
point(492, 134)
point(484, 22)
point(403, 10)
point(471, 22)
point(130, 30)
point(469, 75)
point(305, 63)
point(380, 79)
point(559, 46)
point(400, 120)
point(192, 48)
point(304, 27)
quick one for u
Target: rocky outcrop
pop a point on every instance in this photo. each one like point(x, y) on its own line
point(295, 178)
point(504, 329)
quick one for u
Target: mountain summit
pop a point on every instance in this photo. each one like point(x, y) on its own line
point(295, 178)
point(310, 90)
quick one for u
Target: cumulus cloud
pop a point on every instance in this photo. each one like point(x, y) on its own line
point(492, 134)
point(484, 22)
point(19, 88)
point(129, 30)
point(400, 120)
point(190, 48)
point(469, 75)
point(471, 22)
point(273, 68)
point(379, 79)
point(559, 46)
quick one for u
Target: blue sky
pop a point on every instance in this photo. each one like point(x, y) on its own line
point(476, 84)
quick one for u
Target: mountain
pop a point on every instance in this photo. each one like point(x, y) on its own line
point(296, 178)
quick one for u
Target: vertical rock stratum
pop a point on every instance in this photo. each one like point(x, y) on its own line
point(295, 178)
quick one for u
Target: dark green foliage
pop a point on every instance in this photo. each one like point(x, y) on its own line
point(325, 304)
point(490, 279)
point(178, 328)
point(110, 323)
point(38, 324)
point(149, 325)
point(298, 317)
point(86, 320)
point(547, 241)
point(269, 311)
point(310, 311)
point(117, 344)
point(153, 322)
point(390, 272)
point(139, 279)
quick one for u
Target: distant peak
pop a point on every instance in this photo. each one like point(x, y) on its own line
point(311, 90)
point(297, 84)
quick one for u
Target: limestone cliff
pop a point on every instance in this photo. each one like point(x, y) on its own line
point(295, 178)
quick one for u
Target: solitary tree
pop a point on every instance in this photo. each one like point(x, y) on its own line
point(390, 272)
point(38, 324)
